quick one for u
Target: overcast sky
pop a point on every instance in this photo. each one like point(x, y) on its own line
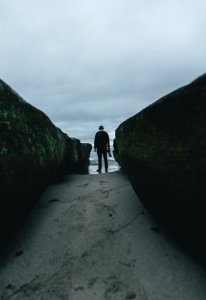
point(92, 62)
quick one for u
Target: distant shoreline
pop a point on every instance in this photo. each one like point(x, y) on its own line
point(112, 168)
point(113, 165)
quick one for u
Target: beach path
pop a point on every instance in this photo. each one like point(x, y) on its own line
point(90, 238)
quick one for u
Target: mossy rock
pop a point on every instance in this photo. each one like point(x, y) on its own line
point(163, 150)
point(33, 151)
point(78, 159)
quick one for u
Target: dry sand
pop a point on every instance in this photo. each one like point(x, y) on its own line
point(90, 238)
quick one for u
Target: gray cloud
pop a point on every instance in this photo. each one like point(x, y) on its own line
point(86, 63)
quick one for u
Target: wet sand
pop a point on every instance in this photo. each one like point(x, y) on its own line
point(90, 238)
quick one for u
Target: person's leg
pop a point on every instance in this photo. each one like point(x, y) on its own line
point(99, 154)
point(105, 161)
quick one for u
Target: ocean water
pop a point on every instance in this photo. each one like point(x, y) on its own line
point(93, 166)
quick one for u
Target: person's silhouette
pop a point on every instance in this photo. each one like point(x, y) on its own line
point(101, 145)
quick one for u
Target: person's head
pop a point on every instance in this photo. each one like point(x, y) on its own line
point(101, 127)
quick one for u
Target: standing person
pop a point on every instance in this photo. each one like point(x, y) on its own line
point(101, 145)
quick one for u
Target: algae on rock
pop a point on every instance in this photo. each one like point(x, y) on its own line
point(32, 152)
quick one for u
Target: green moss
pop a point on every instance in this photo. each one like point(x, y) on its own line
point(3, 151)
point(32, 152)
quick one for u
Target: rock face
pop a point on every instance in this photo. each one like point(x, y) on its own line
point(32, 152)
point(77, 158)
point(163, 150)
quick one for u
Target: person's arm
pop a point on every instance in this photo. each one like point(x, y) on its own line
point(108, 145)
point(95, 142)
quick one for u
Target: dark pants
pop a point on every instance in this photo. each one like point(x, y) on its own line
point(101, 153)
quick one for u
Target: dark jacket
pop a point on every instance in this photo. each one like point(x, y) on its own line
point(101, 141)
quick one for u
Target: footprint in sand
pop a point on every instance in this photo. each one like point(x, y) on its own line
point(110, 210)
point(106, 193)
point(83, 185)
point(117, 289)
point(102, 182)
point(156, 229)
point(53, 200)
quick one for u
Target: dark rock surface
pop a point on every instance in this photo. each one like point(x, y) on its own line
point(163, 150)
point(78, 160)
point(32, 152)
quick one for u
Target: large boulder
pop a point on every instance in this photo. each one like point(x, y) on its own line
point(32, 153)
point(78, 158)
point(163, 150)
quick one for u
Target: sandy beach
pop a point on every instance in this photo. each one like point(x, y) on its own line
point(90, 238)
